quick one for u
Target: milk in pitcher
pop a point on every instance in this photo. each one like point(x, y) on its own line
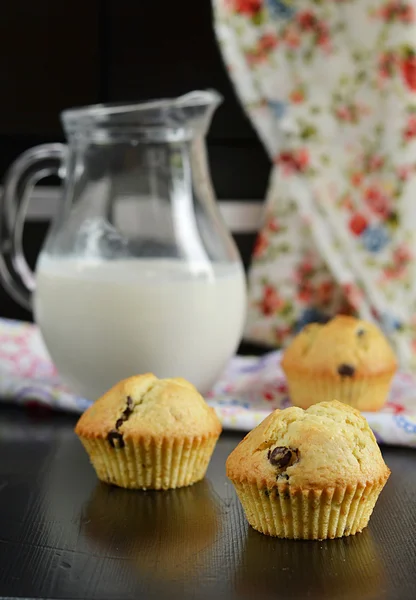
point(103, 321)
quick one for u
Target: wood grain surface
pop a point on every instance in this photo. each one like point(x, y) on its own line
point(64, 535)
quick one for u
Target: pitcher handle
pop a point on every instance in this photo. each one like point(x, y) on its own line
point(31, 166)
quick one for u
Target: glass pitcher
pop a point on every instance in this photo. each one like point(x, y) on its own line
point(138, 272)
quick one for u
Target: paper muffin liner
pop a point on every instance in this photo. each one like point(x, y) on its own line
point(149, 463)
point(308, 514)
point(366, 393)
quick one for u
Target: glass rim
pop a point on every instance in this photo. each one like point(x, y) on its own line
point(99, 111)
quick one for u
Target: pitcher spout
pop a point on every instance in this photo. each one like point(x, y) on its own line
point(197, 108)
point(186, 115)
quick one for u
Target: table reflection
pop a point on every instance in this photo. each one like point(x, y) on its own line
point(164, 533)
point(342, 568)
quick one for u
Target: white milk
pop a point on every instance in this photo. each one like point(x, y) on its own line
point(103, 321)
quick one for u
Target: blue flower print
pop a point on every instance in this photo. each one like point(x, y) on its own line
point(390, 323)
point(310, 315)
point(281, 8)
point(408, 425)
point(375, 238)
point(277, 107)
point(232, 402)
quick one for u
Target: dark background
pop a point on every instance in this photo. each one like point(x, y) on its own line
point(54, 55)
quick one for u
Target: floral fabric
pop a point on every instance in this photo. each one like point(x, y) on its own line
point(249, 390)
point(330, 86)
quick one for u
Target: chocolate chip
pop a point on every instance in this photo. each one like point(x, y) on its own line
point(115, 439)
point(116, 435)
point(283, 476)
point(346, 370)
point(360, 332)
point(266, 493)
point(280, 456)
point(126, 413)
point(129, 408)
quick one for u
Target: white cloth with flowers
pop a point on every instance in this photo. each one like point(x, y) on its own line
point(330, 87)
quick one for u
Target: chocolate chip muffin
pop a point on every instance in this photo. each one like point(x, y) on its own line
point(309, 474)
point(150, 433)
point(346, 359)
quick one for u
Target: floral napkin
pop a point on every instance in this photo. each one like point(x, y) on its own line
point(249, 390)
point(330, 86)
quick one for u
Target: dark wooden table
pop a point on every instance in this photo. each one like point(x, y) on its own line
point(65, 535)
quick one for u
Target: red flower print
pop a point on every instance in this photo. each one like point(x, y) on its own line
point(397, 10)
point(387, 65)
point(325, 292)
point(280, 335)
point(351, 113)
point(408, 69)
point(344, 113)
point(347, 203)
point(396, 408)
point(403, 173)
point(296, 160)
point(356, 179)
point(264, 45)
point(272, 390)
point(376, 201)
point(410, 130)
point(393, 272)
point(305, 292)
point(297, 96)
point(374, 313)
point(402, 254)
point(267, 42)
point(372, 193)
point(307, 20)
point(305, 268)
point(271, 301)
point(246, 7)
point(358, 223)
point(322, 35)
point(273, 225)
point(254, 58)
point(375, 163)
point(302, 158)
point(260, 245)
point(282, 385)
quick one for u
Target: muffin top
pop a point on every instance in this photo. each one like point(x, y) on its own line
point(329, 444)
point(345, 346)
point(144, 406)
